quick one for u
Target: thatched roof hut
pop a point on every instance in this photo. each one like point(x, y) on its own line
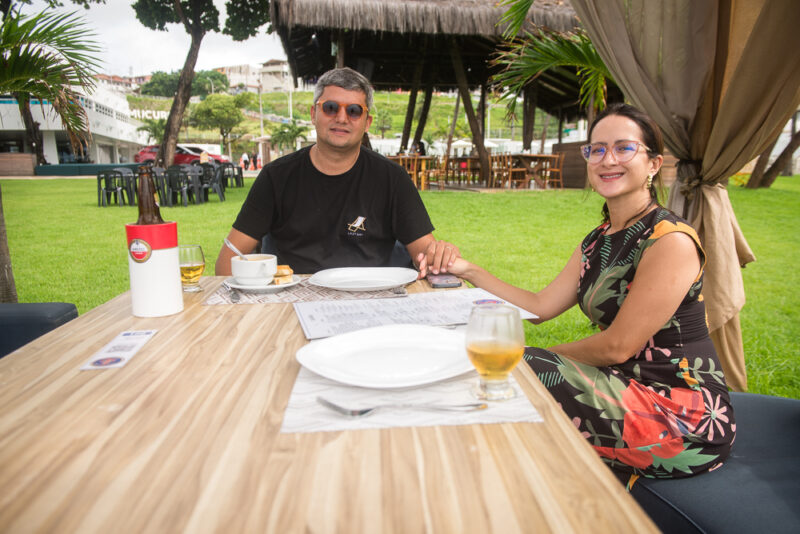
point(450, 17)
point(388, 40)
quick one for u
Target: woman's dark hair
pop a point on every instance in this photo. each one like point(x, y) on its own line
point(651, 137)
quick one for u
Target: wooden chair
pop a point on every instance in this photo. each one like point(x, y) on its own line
point(411, 165)
point(438, 173)
point(552, 172)
point(517, 176)
point(499, 173)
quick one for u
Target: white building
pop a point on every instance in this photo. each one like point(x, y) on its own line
point(114, 135)
point(273, 75)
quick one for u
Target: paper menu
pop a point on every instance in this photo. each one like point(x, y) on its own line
point(321, 319)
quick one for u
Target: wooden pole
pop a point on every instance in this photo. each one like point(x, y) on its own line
point(452, 128)
point(545, 122)
point(463, 89)
point(788, 169)
point(340, 50)
point(761, 165)
point(423, 116)
point(482, 112)
point(412, 102)
point(529, 97)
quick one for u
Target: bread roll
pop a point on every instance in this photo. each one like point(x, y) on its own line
point(283, 275)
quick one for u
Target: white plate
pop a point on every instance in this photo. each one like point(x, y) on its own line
point(363, 278)
point(268, 288)
point(392, 356)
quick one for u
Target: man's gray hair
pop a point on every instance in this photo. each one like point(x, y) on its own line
point(346, 78)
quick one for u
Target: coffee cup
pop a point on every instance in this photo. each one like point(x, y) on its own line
point(256, 270)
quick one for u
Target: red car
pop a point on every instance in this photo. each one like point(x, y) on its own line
point(183, 154)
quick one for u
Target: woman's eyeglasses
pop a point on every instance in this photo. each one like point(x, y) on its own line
point(624, 151)
point(331, 109)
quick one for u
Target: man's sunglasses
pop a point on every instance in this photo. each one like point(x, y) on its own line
point(331, 109)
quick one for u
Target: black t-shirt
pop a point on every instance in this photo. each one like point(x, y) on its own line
point(318, 221)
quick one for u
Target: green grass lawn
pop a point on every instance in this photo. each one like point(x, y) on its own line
point(65, 248)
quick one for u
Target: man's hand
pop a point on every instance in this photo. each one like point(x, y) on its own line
point(438, 257)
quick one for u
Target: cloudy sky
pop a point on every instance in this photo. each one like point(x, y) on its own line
point(130, 48)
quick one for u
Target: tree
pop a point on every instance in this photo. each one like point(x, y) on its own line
point(218, 111)
point(246, 100)
point(204, 83)
point(155, 129)
point(524, 60)
point(759, 178)
point(384, 122)
point(207, 82)
point(198, 17)
point(161, 84)
point(46, 56)
point(286, 135)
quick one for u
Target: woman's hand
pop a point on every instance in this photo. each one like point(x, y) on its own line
point(438, 257)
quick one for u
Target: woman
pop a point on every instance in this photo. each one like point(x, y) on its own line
point(647, 390)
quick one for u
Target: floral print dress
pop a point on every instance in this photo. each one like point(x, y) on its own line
point(665, 412)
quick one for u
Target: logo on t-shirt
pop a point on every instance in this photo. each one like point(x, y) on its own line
point(356, 228)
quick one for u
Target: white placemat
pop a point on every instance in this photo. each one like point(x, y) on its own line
point(305, 414)
point(302, 292)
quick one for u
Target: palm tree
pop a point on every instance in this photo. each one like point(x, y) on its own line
point(525, 59)
point(45, 56)
point(286, 135)
point(155, 128)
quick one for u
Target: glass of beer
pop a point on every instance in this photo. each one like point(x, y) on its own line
point(192, 266)
point(495, 343)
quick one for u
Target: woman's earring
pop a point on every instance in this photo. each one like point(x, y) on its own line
point(649, 181)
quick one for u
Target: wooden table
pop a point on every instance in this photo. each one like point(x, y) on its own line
point(463, 168)
point(186, 437)
point(533, 162)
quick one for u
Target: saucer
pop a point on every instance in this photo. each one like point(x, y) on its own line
point(268, 288)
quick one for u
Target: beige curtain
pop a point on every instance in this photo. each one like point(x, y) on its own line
point(721, 78)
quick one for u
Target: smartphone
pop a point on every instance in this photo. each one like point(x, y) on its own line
point(443, 280)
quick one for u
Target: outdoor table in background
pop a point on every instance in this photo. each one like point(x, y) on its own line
point(533, 162)
point(463, 168)
point(186, 437)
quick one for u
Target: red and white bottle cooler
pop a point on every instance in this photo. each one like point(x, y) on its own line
point(154, 269)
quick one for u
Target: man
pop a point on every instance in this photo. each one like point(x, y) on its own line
point(337, 203)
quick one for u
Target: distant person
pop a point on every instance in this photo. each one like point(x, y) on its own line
point(254, 160)
point(646, 389)
point(337, 203)
point(245, 159)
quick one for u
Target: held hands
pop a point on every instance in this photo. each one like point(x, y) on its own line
point(438, 257)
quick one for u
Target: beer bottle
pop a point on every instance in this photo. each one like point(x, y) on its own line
point(149, 212)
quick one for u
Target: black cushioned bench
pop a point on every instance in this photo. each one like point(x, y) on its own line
point(23, 322)
point(757, 489)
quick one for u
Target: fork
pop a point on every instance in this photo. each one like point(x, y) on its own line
point(350, 412)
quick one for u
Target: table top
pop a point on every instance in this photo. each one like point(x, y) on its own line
point(186, 437)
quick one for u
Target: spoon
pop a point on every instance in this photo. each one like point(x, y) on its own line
point(352, 412)
point(236, 250)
